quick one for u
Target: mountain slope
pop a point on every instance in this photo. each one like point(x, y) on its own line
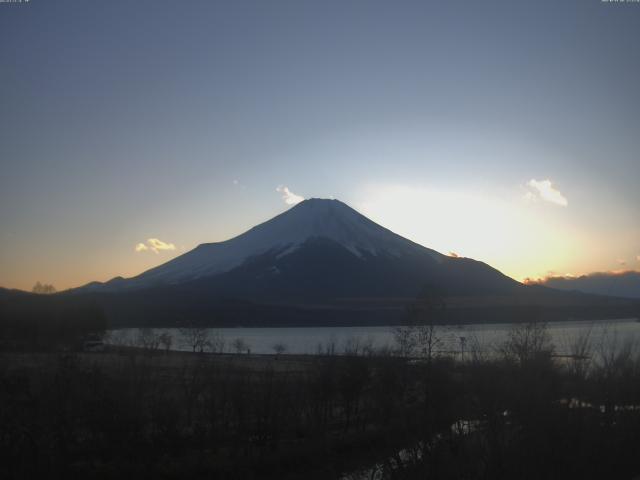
point(319, 263)
point(322, 269)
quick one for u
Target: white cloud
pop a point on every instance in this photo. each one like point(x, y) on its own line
point(544, 190)
point(288, 196)
point(141, 247)
point(155, 245)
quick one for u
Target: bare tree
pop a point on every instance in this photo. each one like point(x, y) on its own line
point(352, 346)
point(580, 348)
point(329, 348)
point(421, 335)
point(148, 340)
point(368, 347)
point(118, 338)
point(478, 352)
point(166, 340)
point(43, 288)
point(428, 339)
point(216, 342)
point(195, 336)
point(405, 339)
point(615, 352)
point(463, 343)
point(239, 345)
point(527, 342)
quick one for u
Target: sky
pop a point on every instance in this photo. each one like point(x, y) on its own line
point(504, 131)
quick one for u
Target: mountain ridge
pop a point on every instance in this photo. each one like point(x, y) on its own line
point(618, 284)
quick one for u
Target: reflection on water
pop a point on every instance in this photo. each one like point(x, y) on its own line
point(312, 340)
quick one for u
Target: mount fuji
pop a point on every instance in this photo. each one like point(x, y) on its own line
point(319, 243)
point(319, 263)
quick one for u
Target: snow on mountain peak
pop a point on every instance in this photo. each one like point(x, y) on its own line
point(312, 218)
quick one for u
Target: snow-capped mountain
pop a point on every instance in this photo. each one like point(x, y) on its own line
point(322, 263)
point(284, 234)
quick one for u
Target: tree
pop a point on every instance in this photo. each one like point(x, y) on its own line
point(166, 340)
point(463, 344)
point(239, 345)
point(421, 334)
point(279, 348)
point(527, 342)
point(405, 340)
point(195, 336)
point(216, 342)
point(425, 315)
point(148, 339)
point(43, 288)
point(580, 350)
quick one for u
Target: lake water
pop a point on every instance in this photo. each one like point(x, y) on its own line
point(311, 340)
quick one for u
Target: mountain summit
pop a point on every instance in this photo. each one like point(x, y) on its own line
point(311, 219)
point(318, 248)
point(322, 263)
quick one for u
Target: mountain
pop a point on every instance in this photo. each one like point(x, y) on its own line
point(319, 263)
point(317, 248)
point(12, 292)
point(624, 284)
point(315, 222)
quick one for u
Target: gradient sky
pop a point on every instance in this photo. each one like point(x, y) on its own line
point(122, 121)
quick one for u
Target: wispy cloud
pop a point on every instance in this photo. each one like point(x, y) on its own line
point(621, 262)
point(621, 283)
point(545, 190)
point(551, 275)
point(155, 245)
point(141, 247)
point(554, 277)
point(288, 196)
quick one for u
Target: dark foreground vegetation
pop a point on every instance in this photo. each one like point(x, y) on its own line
point(34, 322)
point(520, 414)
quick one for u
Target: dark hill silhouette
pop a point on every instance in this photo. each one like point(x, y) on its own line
point(623, 284)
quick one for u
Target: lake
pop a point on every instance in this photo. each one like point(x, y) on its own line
point(311, 340)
